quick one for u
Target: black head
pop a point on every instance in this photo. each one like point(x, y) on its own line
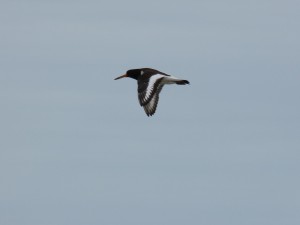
point(134, 73)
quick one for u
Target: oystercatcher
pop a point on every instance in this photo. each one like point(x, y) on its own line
point(150, 83)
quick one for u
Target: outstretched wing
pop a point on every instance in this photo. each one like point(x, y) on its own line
point(148, 87)
point(151, 106)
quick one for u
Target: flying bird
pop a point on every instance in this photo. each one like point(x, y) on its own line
point(150, 83)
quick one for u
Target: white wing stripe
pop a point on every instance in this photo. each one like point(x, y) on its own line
point(151, 83)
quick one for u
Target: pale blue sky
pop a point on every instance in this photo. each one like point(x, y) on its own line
point(76, 147)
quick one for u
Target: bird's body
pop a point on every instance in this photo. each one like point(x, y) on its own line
point(150, 83)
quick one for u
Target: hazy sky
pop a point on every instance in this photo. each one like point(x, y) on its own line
point(76, 148)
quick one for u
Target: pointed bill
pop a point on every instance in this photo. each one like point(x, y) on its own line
point(125, 75)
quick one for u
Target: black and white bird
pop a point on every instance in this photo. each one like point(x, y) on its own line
point(150, 83)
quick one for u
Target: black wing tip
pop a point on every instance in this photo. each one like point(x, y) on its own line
point(150, 114)
point(149, 111)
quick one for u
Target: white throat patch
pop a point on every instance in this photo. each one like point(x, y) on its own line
point(142, 72)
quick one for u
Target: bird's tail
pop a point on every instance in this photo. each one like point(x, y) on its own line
point(182, 82)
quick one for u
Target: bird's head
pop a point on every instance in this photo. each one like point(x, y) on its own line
point(135, 73)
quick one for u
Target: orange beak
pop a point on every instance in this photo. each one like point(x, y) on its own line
point(125, 75)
